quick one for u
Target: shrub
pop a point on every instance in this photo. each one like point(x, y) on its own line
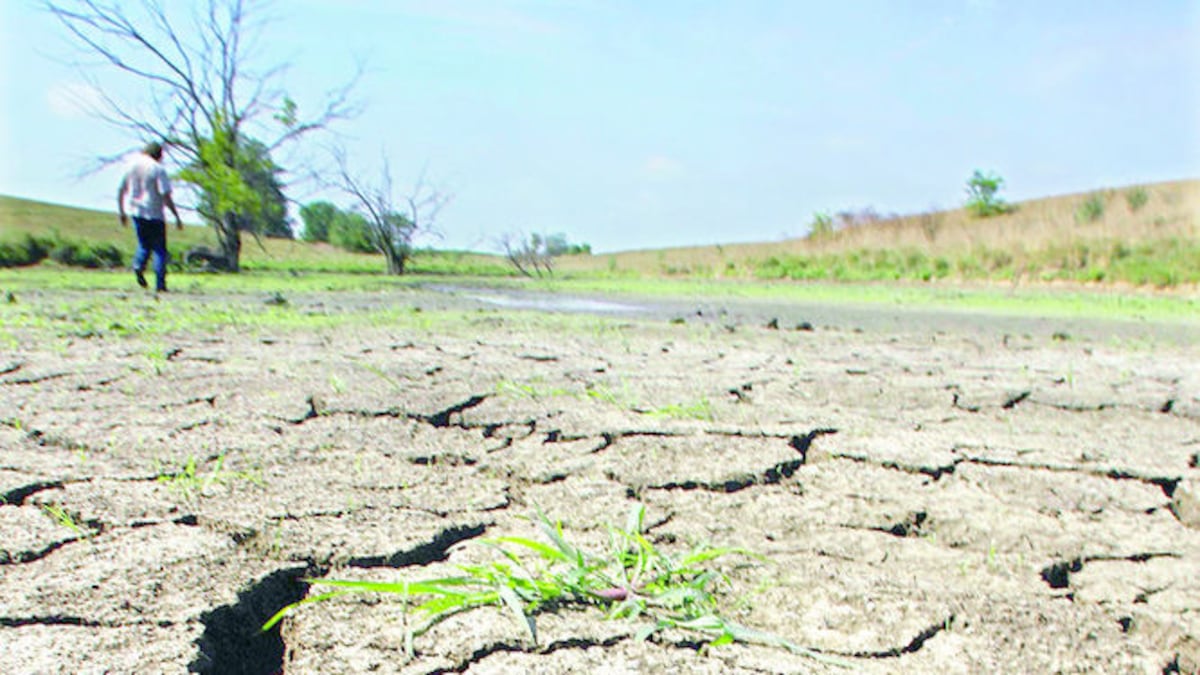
point(82, 255)
point(351, 231)
point(822, 225)
point(1091, 210)
point(931, 224)
point(64, 253)
point(1136, 198)
point(941, 267)
point(104, 255)
point(29, 251)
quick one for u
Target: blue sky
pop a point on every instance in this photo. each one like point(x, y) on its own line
point(641, 124)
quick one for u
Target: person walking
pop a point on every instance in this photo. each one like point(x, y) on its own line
point(149, 189)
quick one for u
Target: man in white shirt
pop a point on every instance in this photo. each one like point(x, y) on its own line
point(148, 188)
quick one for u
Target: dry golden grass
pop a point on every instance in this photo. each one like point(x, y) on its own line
point(1172, 210)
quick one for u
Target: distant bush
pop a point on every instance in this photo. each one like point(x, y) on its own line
point(862, 217)
point(822, 225)
point(1136, 198)
point(317, 218)
point(931, 223)
point(1091, 210)
point(983, 198)
point(92, 256)
point(351, 231)
point(857, 265)
point(1162, 262)
point(29, 251)
point(33, 250)
point(557, 244)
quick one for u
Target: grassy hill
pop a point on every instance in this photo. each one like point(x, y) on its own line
point(1142, 235)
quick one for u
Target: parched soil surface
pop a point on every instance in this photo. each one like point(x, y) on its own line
point(962, 495)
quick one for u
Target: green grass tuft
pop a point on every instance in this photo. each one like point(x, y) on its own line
point(633, 581)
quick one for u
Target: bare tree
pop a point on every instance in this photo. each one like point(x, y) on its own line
point(529, 255)
point(220, 117)
point(392, 223)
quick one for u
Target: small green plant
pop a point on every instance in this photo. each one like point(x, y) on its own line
point(699, 410)
point(633, 580)
point(191, 482)
point(982, 195)
point(530, 390)
point(336, 384)
point(64, 518)
point(605, 394)
point(377, 372)
point(157, 358)
point(1136, 198)
point(1091, 209)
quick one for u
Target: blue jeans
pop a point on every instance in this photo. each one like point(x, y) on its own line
point(152, 238)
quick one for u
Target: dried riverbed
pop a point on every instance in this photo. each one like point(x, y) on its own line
point(941, 494)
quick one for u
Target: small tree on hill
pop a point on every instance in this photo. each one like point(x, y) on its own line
point(391, 223)
point(982, 199)
point(527, 255)
point(534, 255)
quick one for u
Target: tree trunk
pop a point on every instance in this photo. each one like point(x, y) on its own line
point(229, 236)
point(395, 262)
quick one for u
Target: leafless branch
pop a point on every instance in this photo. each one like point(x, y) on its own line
point(391, 227)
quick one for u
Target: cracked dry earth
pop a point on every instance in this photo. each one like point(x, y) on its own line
point(924, 502)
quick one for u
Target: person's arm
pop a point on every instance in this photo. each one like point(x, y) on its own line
point(169, 202)
point(121, 192)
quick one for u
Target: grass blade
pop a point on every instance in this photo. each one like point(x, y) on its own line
point(635, 519)
point(287, 609)
point(543, 550)
point(517, 609)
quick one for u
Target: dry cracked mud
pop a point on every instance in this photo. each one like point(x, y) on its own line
point(954, 497)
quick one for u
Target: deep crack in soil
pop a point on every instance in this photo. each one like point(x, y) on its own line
point(233, 641)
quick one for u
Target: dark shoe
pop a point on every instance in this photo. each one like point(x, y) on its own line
point(161, 289)
point(141, 278)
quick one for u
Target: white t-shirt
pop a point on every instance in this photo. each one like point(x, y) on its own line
point(147, 182)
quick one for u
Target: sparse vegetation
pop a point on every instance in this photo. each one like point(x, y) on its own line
point(633, 580)
point(1090, 209)
point(701, 409)
point(192, 483)
point(1136, 198)
point(821, 225)
point(30, 250)
point(64, 518)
